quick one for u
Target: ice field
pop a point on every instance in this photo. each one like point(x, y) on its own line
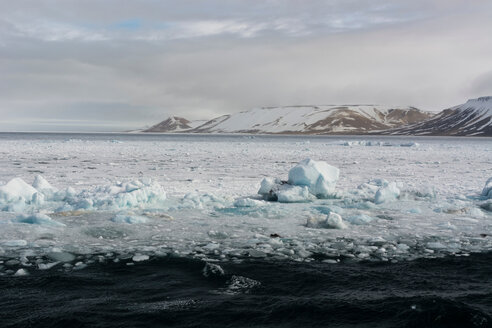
point(68, 201)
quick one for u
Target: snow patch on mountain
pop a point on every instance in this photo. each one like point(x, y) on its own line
point(323, 119)
point(175, 124)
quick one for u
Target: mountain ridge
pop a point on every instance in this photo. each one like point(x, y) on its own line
point(305, 119)
point(473, 118)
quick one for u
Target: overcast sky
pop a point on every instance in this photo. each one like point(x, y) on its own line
point(120, 64)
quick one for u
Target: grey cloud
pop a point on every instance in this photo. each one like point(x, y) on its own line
point(220, 58)
point(482, 85)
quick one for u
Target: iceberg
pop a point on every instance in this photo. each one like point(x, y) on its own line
point(318, 176)
point(308, 180)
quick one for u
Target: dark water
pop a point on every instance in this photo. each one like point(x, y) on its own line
point(174, 292)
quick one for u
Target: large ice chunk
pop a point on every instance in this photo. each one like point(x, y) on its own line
point(318, 176)
point(294, 194)
point(487, 190)
point(42, 185)
point(133, 194)
point(15, 189)
point(269, 188)
point(387, 193)
point(331, 221)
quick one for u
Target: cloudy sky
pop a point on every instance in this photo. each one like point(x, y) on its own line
point(119, 64)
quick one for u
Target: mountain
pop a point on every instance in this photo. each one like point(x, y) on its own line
point(473, 118)
point(174, 124)
point(323, 119)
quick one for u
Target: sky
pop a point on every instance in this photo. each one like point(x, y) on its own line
point(115, 65)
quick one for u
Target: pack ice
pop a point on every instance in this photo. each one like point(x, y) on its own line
point(95, 203)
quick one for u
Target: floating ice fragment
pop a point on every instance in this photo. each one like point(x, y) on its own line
point(42, 185)
point(130, 219)
point(15, 243)
point(487, 205)
point(436, 246)
point(487, 190)
point(140, 258)
point(218, 234)
point(47, 266)
point(387, 193)
point(80, 265)
point(269, 188)
point(330, 261)
point(360, 219)
point(256, 253)
point(211, 269)
point(199, 201)
point(328, 209)
point(17, 188)
point(248, 202)
point(294, 194)
point(476, 212)
point(402, 247)
point(21, 272)
point(331, 221)
point(334, 221)
point(38, 199)
point(38, 219)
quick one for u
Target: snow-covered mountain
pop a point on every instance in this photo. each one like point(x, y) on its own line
point(174, 124)
point(473, 118)
point(324, 119)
